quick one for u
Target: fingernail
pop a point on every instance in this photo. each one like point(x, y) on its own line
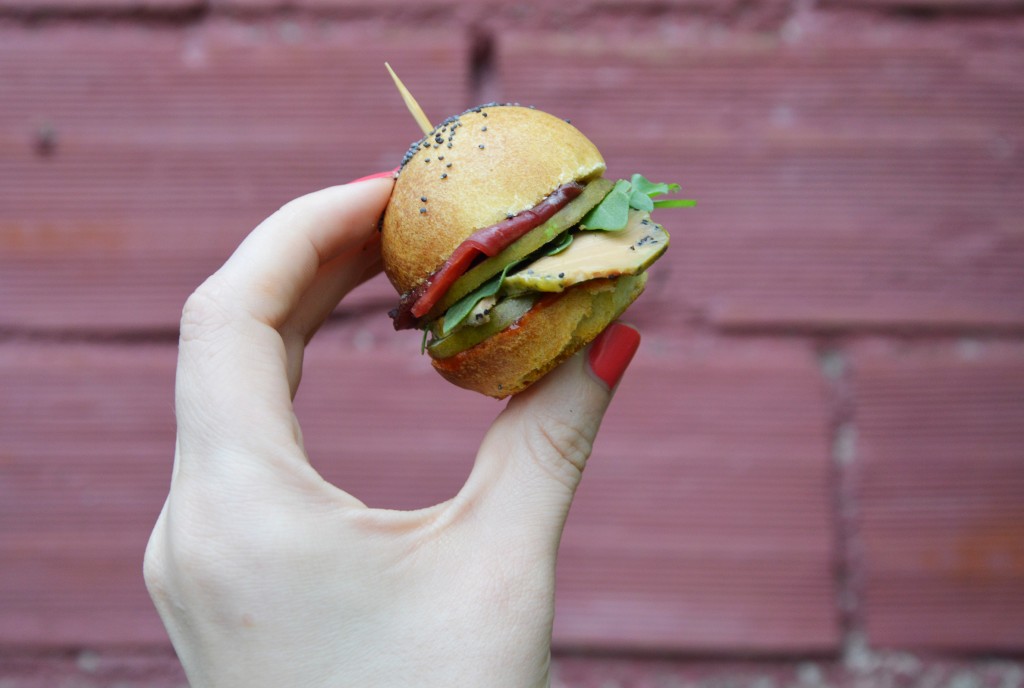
point(612, 351)
point(379, 175)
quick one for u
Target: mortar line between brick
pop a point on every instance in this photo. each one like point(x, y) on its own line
point(170, 17)
point(483, 87)
point(836, 373)
point(924, 11)
point(111, 336)
point(193, 12)
point(917, 11)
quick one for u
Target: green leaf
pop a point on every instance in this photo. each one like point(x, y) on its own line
point(640, 201)
point(611, 213)
point(650, 189)
point(675, 203)
point(423, 344)
point(461, 308)
point(560, 244)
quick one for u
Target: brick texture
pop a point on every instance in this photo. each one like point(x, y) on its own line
point(844, 179)
point(940, 439)
point(673, 541)
point(87, 435)
point(816, 456)
point(40, 9)
point(132, 161)
point(128, 668)
point(702, 522)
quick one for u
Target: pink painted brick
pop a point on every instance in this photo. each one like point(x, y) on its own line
point(132, 161)
point(87, 441)
point(92, 667)
point(85, 445)
point(703, 522)
point(47, 7)
point(125, 668)
point(940, 481)
point(675, 541)
point(849, 175)
point(373, 10)
point(980, 6)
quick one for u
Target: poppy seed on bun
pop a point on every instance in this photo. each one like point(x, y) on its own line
point(472, 173)
point(501, 161)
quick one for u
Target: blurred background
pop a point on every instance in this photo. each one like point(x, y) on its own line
point(812, 475)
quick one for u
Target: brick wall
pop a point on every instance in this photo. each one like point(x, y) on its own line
point(818, 456)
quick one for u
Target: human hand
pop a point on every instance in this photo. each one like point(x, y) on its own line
point(266, 575)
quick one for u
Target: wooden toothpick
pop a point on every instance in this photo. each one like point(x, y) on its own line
point(414, 108)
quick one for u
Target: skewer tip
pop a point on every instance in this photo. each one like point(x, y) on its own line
point(414, 108)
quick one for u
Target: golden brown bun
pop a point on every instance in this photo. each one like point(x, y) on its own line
point(502, 160)
point(556, 328)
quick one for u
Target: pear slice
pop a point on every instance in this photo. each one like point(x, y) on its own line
point(594, 254)
point(522, 247)
point(502, 315)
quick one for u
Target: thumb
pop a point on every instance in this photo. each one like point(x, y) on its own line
point(532, 458)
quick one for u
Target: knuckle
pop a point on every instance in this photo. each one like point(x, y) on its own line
point(560, 448)
point(218, 536)
point(290, 209)
point(205, 311)
point(154, 574)
point(193, 559)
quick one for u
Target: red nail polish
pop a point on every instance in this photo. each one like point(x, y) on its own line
point(612, 351)
point(379, 175)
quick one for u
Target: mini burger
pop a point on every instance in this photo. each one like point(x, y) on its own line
point(509, 248)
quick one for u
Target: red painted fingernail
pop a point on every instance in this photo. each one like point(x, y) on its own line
point(379, 175)
point(612, 351)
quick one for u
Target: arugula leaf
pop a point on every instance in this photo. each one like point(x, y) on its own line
point(611, 213)
point(650, 189)
point(642, 185)
point(562, 244)
point(638, 200)
point(461, 308)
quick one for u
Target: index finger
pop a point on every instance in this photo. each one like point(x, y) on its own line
point(232, 387)
point(275, 265)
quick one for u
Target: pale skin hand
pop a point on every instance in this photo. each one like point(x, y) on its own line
point(266, 575)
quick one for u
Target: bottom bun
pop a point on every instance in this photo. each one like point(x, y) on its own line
point(556, 328)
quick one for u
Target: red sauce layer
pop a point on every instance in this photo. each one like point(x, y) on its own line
point(489, 241)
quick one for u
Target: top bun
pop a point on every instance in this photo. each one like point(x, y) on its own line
point(473, 171)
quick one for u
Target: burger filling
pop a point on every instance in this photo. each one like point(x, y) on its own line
point(575, 235)
point(488, 241)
